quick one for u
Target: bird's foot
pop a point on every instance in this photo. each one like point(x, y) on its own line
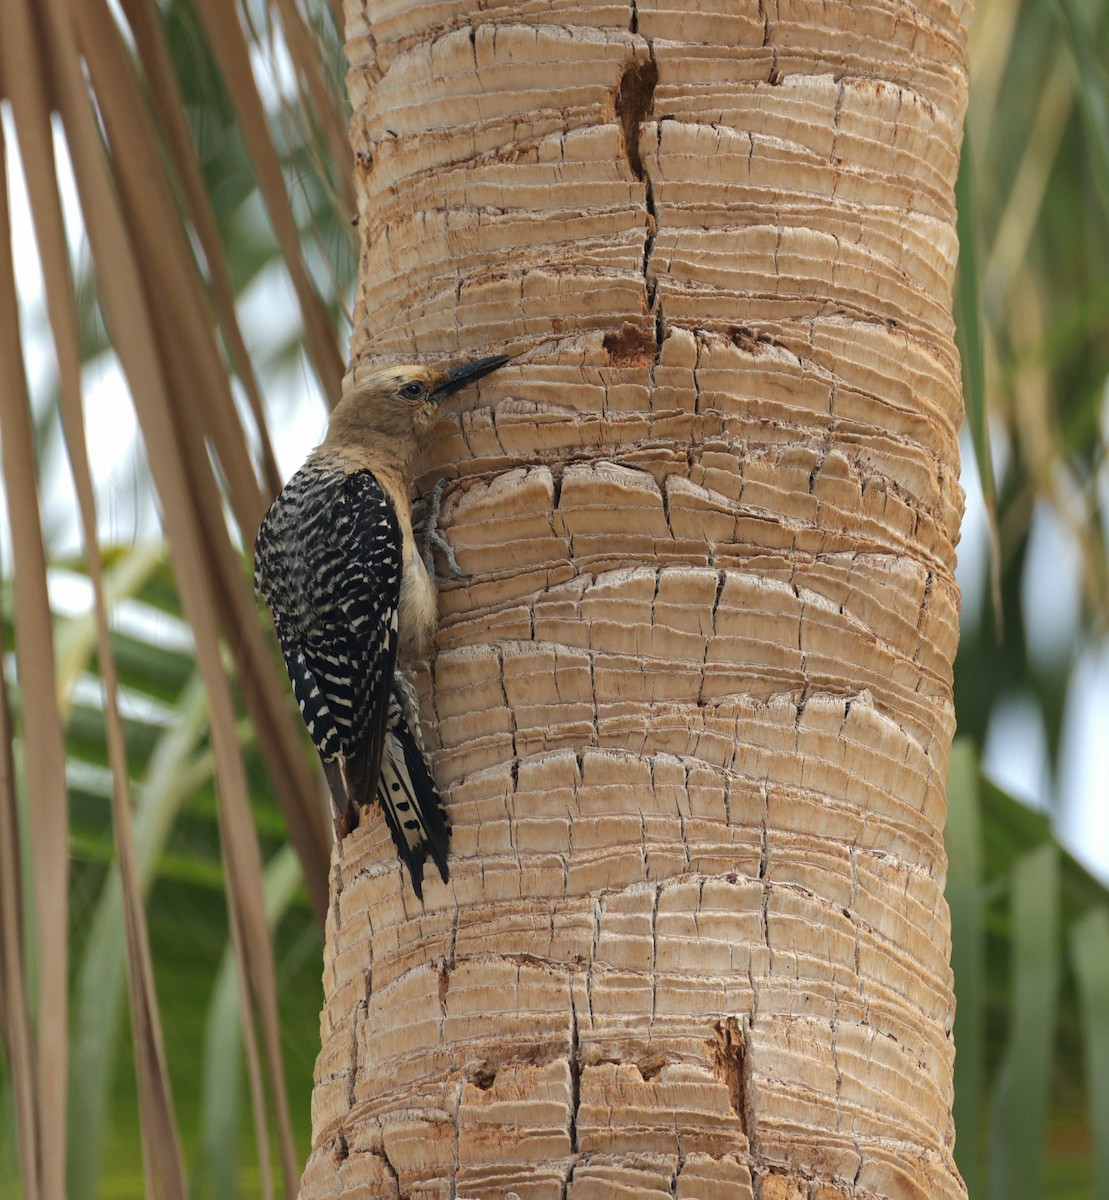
point(405, 691)
point(433, 539)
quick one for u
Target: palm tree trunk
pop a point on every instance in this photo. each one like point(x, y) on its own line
point(693, 711)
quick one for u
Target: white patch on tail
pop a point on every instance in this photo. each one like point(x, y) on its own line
point(398, 792)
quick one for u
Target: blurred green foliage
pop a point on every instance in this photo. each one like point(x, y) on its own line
point(1034, 225)
point(1029, 933)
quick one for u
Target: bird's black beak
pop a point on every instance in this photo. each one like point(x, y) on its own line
point(459, 377)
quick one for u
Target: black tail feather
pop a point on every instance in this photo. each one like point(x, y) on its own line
point(413, 807)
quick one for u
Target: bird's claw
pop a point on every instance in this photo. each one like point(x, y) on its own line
point(433, 539)
point(449, 555)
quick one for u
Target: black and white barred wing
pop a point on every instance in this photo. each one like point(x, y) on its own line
point(328, 562)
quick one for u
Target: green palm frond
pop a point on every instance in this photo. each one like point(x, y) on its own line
point(140, 112)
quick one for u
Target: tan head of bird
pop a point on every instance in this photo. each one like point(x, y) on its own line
point(401, 403)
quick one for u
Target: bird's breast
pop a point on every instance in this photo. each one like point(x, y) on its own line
point(418, 608)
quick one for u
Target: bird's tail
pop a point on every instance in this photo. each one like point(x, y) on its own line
point(413, 807)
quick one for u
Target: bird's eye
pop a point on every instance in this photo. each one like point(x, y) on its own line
point(412, 391)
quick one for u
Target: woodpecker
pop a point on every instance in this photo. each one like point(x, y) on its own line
point(354, 604)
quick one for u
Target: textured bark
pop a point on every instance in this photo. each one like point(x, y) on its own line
point(693, 712)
